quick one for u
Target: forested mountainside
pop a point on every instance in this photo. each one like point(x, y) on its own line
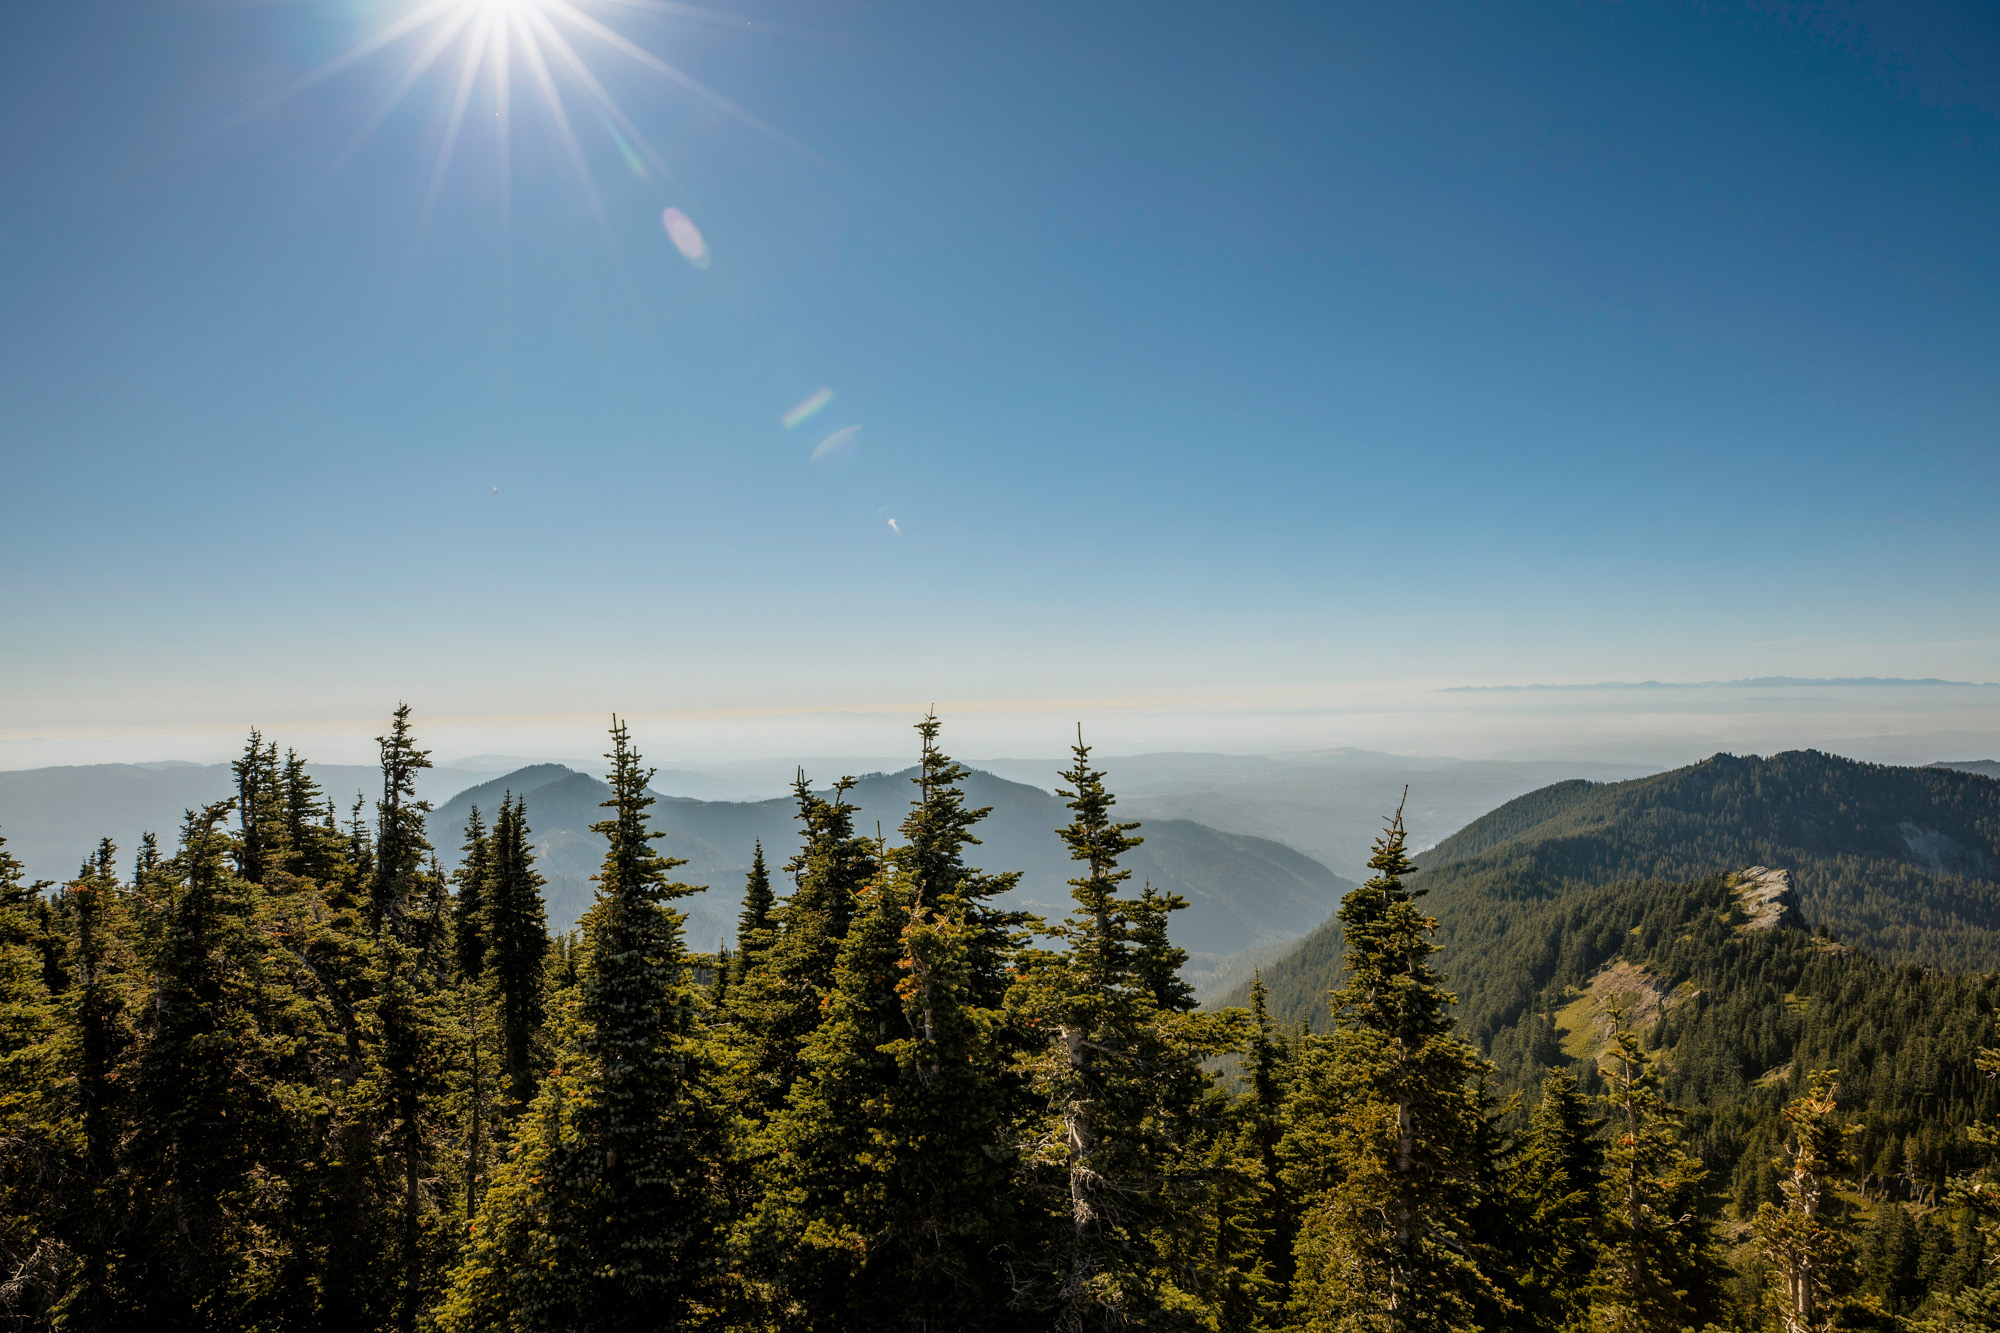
point(290, 1074)
point(1903, 863)
point(1241, 891)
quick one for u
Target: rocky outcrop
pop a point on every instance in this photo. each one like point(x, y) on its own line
point(1766, 897)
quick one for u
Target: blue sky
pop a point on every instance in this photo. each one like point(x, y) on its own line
point(1200, 353)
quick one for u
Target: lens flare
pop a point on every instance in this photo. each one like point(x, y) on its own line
point(807, 409)
point(686, 237)
point(835, 445)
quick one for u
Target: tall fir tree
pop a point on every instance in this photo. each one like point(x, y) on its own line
point(400, 847)
point(615, 1229)
point(781, 1001)
point(886, 1202)
point(516, 930)
point(260, 812)
point(97, 1039)
point(1804, 1239)
point(1556, 1183)
point(1382, 1243)
point(1115, 1084)
point(754, 923)
point(1656, 1269)
point(201, 1103)
point(468, 912)
point(406, 897)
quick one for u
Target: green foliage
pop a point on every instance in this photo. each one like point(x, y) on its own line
point(515, 927)
point(616, 1227)
point(1656, 1266)
point(283, 1079)
point(1898, 862)
point(1385, 1153)
point(886, 1174)
point(1115, 1079)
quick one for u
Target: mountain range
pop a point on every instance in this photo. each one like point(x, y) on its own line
point(1903, 863)
point(1242, 891)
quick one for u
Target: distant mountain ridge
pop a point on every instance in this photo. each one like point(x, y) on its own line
point(1986, 768)
point(1242, 891)
point(1901, 862)
point(53, 817)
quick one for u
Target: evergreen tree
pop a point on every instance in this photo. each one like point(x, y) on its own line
point(1382, 1244)
point(468, 913)
point(1974, 1307)
point(1655, 1269)
point(406, 897)
point(95, 1041)
point(201, 1107)
point(781, 1001)
point(1266, 1069)
point(754, 923)
point(400, 848)
point(312, 844)
point(614, 1229)
point(260, 810)
point(516, 930)
point(1557, 1178)
point(30, 1153)
point(885, 1202)
point(1117, 1087)
point(1804, 1238)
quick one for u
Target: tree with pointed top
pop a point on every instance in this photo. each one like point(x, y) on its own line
point(96, 1040)
point(754, 923)
point(407, 904)
point(260, 812)
point(936, 834)
point(613, 1227)
point(468, 912)
point(1118, 1084)
point(1656, 1269)
point(1381, 1244)
point(1266, 1069)
point(201, 1106)
point(400, 847)
point(885, 1200)
point(1556, 1180)
point(780, 1002)
point(516, 931)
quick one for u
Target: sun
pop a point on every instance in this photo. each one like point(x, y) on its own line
point(509, 51)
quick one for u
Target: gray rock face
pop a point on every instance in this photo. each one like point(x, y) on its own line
point(1766, 897)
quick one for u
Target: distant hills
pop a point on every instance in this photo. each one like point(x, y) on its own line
point(52, 818)
point(1986, 768)
point(1329, 804)
point(1903, 863)
point(1242, 891)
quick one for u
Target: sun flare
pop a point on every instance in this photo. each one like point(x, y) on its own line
point(492, 54)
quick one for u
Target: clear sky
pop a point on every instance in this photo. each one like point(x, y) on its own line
point(1309, 355)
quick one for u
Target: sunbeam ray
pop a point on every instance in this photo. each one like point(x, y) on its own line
point(531, 51)
point(619, 42)
point(597, 91)
point(387, 35)
point(468, 75)
point(447, 32)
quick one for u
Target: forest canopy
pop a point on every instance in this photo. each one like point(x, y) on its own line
point(288, 1073)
